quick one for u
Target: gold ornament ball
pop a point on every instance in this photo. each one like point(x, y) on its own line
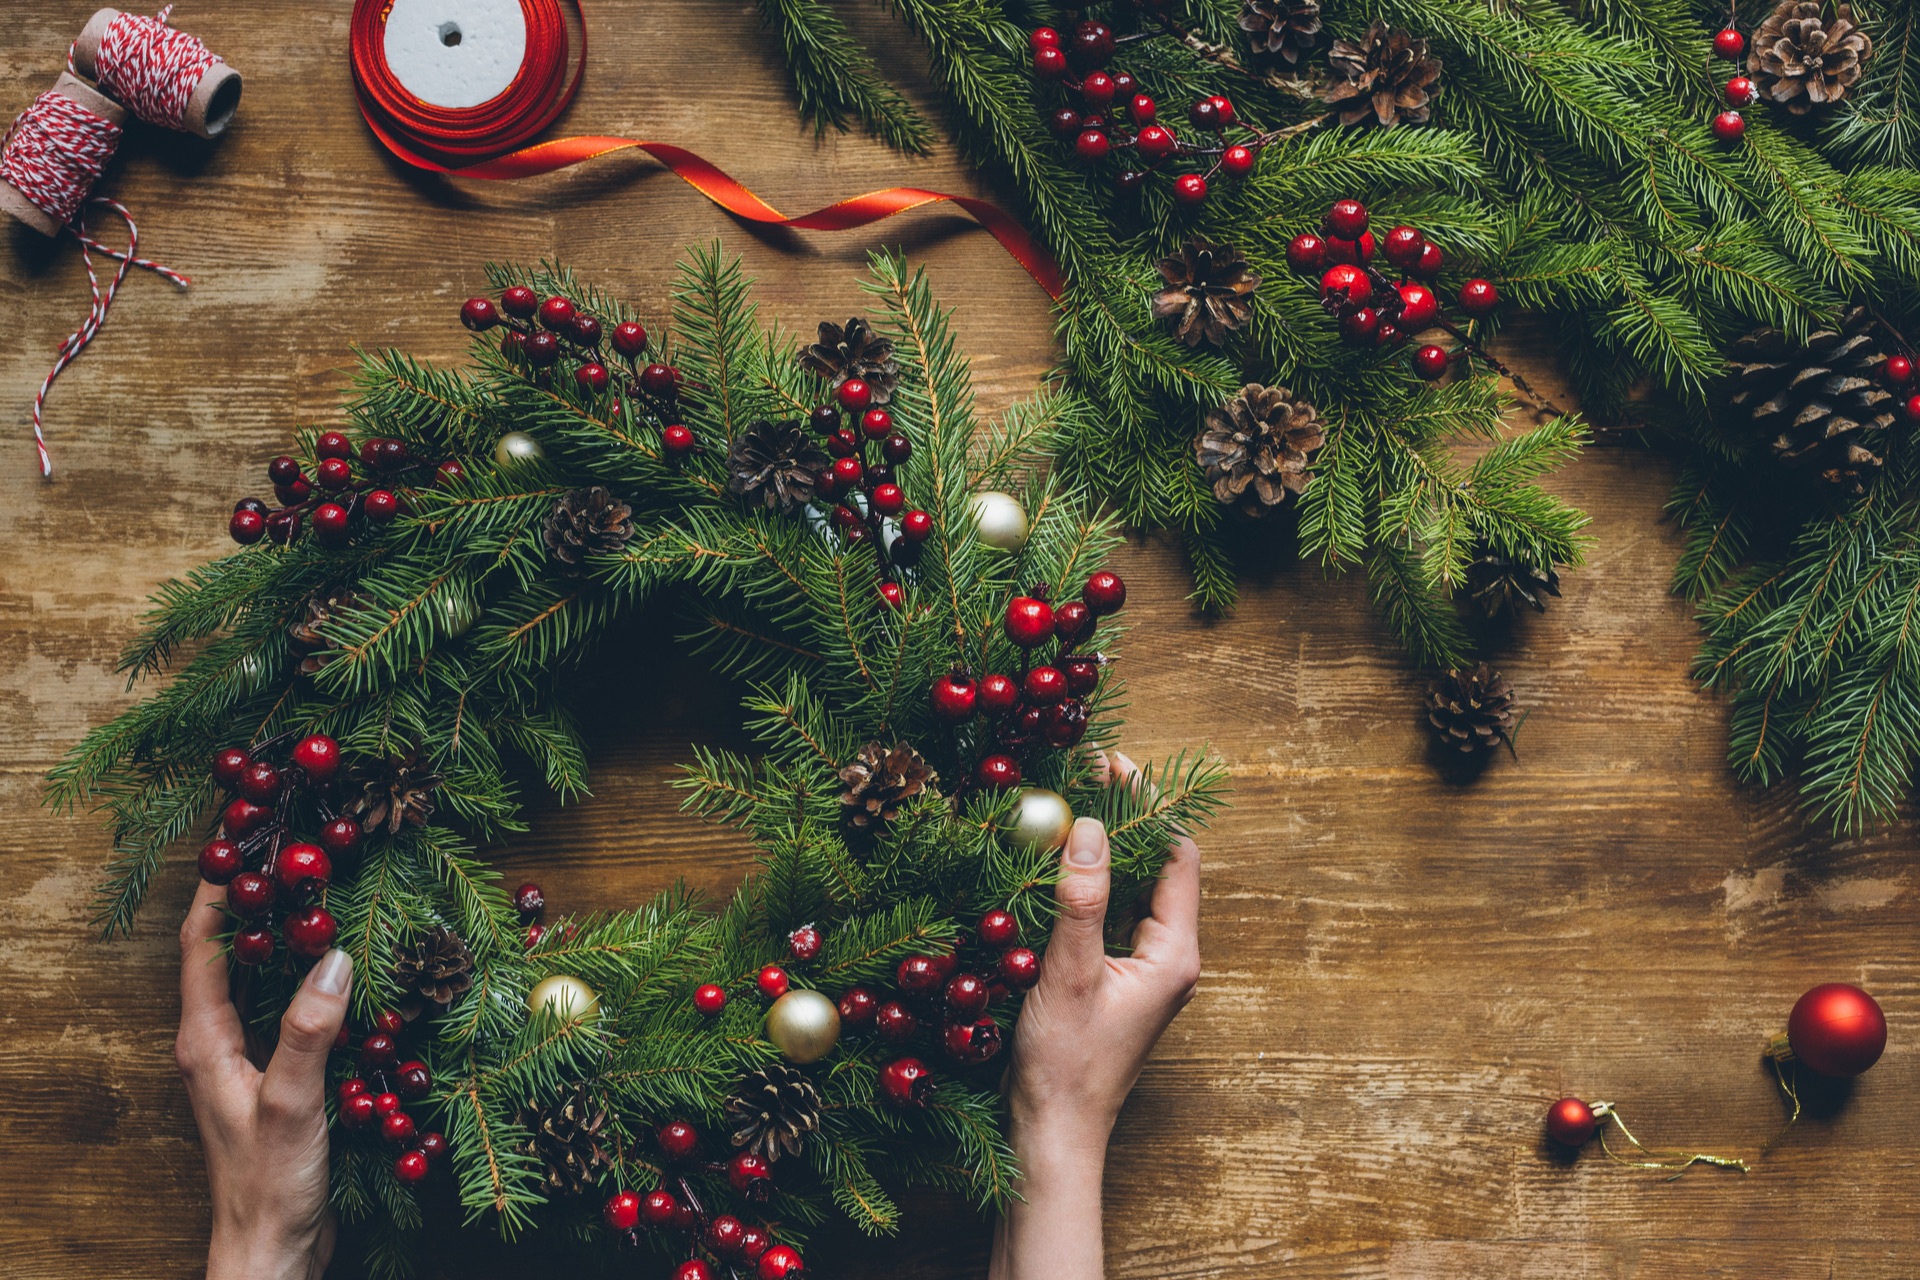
point(568, 996)
point(803, 1025)
point(1000, 519)
point(1040, 820)
point(458, 613)
point(517, 447)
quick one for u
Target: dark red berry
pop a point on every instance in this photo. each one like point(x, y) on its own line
point(220, 861)
point(334, 473)
point(283, 470)
point(622, 1211)
point(412, 1079)
point(894, 1021)
point(260, 782)
point(659, 380)
point(966, 995)
point(1910, 407)
point(678, 1140)
point(1728, 126)
point(1044, 685)
point(299, 864)
point(479, 314)
point(1190, 189)
point(529, 900)
point(318, 756)
point(749, 1175)
point(1345, 283)
point(1478, 297)
point(542, 349)
point(378, 1052)
point(1347, 219)
point(1728, 43)
point(557, 314)
point(381, 506)
point(246, 527)
point(781, 1262)
point(629, 339)
point(1430, 362)
point(1156, 143)
point(918, 975)
point(1083, 675)
point(804, 943)
point(389, 1021)
point(332, 444)
point(1419, 307)
point(250, 895)
point(432, 1145)
point(854, 395)
point(357, 1110)
point(449, 472)
point(905, 1082)
point(1065, 723)
point(591, 377)
point(857, 1008)
point(330, 524)
point(242, 818)
point(310, 930)
point(228, 764)
point(519, 302)
point(999, 694)
point(398, 1128)
point(677, 439)
point(888, 499)
point(999, 928)
point(1306, 253)
point(997, 773)
point(1043, 38)
point(1237, 162)
point(1019, 968)
point(585, 331)
point(1104, 593)
point(253, 945)
point(1403, 247)
point(953, 696)
point(1064, 123)
point(1431, 260)
point(1029, 621)
point(1128, 180)
point(1092, 43)
point(658, 1208)
point(534, 933)
point(1097, 90)
point(340, 836)
point(1049, 63)
point(772, 982)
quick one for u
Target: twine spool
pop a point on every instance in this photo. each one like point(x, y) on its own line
point(165, 77)
point(55, 151)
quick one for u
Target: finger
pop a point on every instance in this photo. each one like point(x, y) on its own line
point(1121, 770)
point(297, 1074)
point(1171, 934)
point(1077, 952)
point(210, 1027)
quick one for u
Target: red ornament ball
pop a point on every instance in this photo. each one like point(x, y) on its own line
point(772, 982)
point(1837, 1030)
point(1478, 297)
point(709, 998)
point(1104, 593)
point(1430, 362)
point(622, 1211)
point(1571, 1122)
point(1347, 219)
point(1728, 125)
point(1728, 43)
point(1190, 189)
point(1306, 253)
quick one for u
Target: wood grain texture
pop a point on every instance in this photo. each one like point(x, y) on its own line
point(1401, 970)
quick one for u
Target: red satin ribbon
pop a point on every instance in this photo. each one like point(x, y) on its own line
point(490, 141)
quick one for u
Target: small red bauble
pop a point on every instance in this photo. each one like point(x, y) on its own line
point(1237, 161)
point(1020, 968)
point(857, 1007)
point(1043, 38)
point(252, 945)
point(1092, 144)
point(918, 975)
point(557, 314)
point(1741, 92)
point(725, 1234)
point(1419, 308)
point(592, 378)
point(381, 506)
point(379, 1051)
point(357, 1110)
point(1190, 189)
point(342, 835)
point(1430, 362)
point(411, 1079)
point(966, 995)
point(1403, 246)
point(1029, 621)
point(998, 773)
point(998, 694)
point(658, 1208)
point(854, 394)
point(1728, 125)
point(1728, 43)
point(772, 982)
point(1104, 593)
point(318, 755)
point(260, 782)
point(659, 380)
point(678, 1140)
point(1357, 253)
point(250, 895)
point(1837, 1030)
point(1306, 253)
point(999, 928)
point(749, 1175)
point(300, 863)
point(629, 339)
point(1347, 219)
point(246, 527)
point(1571, 1122)
point(219, 861)
point(1898, 371)
point(1049, 63)
point(1431, 260)
point(892, 594)
point(1097, 90)
point(334, 473)
point(780, 1263)
point(1044, 685)
point(894, 1021)
point(228, 764)
point(622, 1211)
point(905, 1082)
point(332, 444)
point(916, 526)
point(1156, 143)
point(709, 998)
point(1347, 283)
point(397, 1128)
point(953, 696)
point(519, 302)
point(804, 943)
point(411, 1167)
point(1478, 297)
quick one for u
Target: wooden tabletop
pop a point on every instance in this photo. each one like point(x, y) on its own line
point(1401, 970)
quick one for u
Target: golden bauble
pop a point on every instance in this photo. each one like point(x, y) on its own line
point(458, 613)
point(1000, 519)
point(1040, 820)
point(803, 1025)
point(565, 994)
point(517, 447)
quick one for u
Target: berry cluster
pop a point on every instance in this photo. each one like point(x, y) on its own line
point(1045, 704)
point(378, 1092)
point(1740, 91)
point(1113, 119)
point(867, 455)
point(675, 1206)
point(1371, 308)
point(268, 875)
point(348, 484)
point(539, 331)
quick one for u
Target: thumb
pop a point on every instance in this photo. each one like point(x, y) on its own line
point(297, 1075)
point(1078, 951)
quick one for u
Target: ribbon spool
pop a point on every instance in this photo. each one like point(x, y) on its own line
point(55, 152)
point(414, 100)
point(165, 77)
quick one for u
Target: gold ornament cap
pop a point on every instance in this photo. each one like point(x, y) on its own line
point(1040, 820)
point(565, 994)
point(804, 1026)
point(999, 519)
point(517, 447)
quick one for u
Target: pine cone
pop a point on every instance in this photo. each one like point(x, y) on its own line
point(1387, 77)
point(320, 608)
point(395, 794)
point(853, 352)
point(1817, 403)
point(1285, 28)
point(1804, 60)
point(1209, 292)
point(1500, 585)
point(1470, 711)
point(565, 1137)
point(1256, 447)
point(776, 465)
point(586, 522)
point(438, 968)
point(880, 781)
point(772, 1111)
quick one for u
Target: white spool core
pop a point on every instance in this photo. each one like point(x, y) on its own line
point(456, 53)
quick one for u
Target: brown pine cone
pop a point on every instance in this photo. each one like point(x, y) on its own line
point(772, 1111)
point(1284, 28)
point(1820, 405)
point(564, 1136)
point(437, 969)
point(320, 608)
point(1500, 585)
point(853, 352)
point(880, 781)
point(1256, 447)
point(776, 465)
point(1388, 77)
point(1209, 291)
point(1801, 59)
point(395, 794)
point(586, 522)
point(1471, 711)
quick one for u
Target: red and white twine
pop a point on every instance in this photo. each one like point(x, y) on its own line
point(150, 68)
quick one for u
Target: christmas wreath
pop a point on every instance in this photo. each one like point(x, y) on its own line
point(927, 628)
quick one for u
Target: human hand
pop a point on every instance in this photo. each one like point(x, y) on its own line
point(264, 1132)
point(1084, 1033)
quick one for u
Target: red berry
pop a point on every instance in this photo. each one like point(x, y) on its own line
point(310, 931)
point(585, 331)
point(997, 773)
point(381, 506)
point(398, 1128)
point(450, 471)
point(999, 928)
point(529, 900)
point(749, 1175)
point(253, 945)
point(330, 524)
point(228, 764)
point(331, 444)
point(412, 1079)
point(659, 380)
point(678, 1140)
point(677, 439)
point(1728, 43)
point(1347, 219)
point(250, 895)
point(918, 975)
point(892, 594)
point(1073, 622)
point(857, 1007)
point(479, 314)
point(1360, 326)
point(1104, 593)
point(896, 448)
point(591, 377)
point(318, 755)
point(804, 943)
point(1432, 259)
point(848, 473)
point(1190, 189)
point(1911, 408)
point(283, 470)
point(629, 339)
point(1156, 143)
point(1898, 371)
point(1019, 968)
point(1419, 308)
point(1128, 180)
point(658, 1208)
point(953, 696)
point(622, 1211)
point(999, 694)
point(876, 424)
point(1223, 113)
point(246, 527)
point(260, 782)
point(1741, 92)
point(1404, 246)
point(966, 995)
point(340, 836)
point(974, 1041)
point(772, 982)
point(1092, 144)
point(535, 932)
point(905, 1082)
point(1204, 114)
point(243, 817)
point(1430, 362)
point(916, 526)
point(1728, 126)
point(220, 861)
point(1083, 675)
point(432, 1145)
point(1097, 90)
point(1049, 63)
point(541, 348)
point(1346, 283)
point(894, 1021)
point(1478, 297)
point(779, 1263)
point(1141, 110)
point(725, 1235)
point(1306, 253)
point(1045, 685)
point(854, 395)
point(1043, 38)
point(378, 1051)
point(300, 863)
point(1064, 123)
point(334, 473)
point(1356, 253)
point(1029, 621)
point(519, 302)
point(389, 1022)
point(557, 314)
point(1237, 161)
point(1092, 43)
point(356, 1110)
point(888, 499)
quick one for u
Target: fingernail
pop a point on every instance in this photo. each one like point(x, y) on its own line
point(1084, 841)
point(331, 975)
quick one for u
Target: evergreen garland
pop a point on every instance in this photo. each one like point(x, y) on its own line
point(446, 646)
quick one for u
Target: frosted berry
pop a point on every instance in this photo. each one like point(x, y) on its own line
point(803, 944)
point(1029, 621)
point(772, 982)
point(953, 696)
point(1478, 297)
point(1741, 92)
point(1347, 219)
point(1105, 592)
point(1430, 362)
point(905, 1082)
point(253, 945)
point(529, 900)
point(219, 861)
